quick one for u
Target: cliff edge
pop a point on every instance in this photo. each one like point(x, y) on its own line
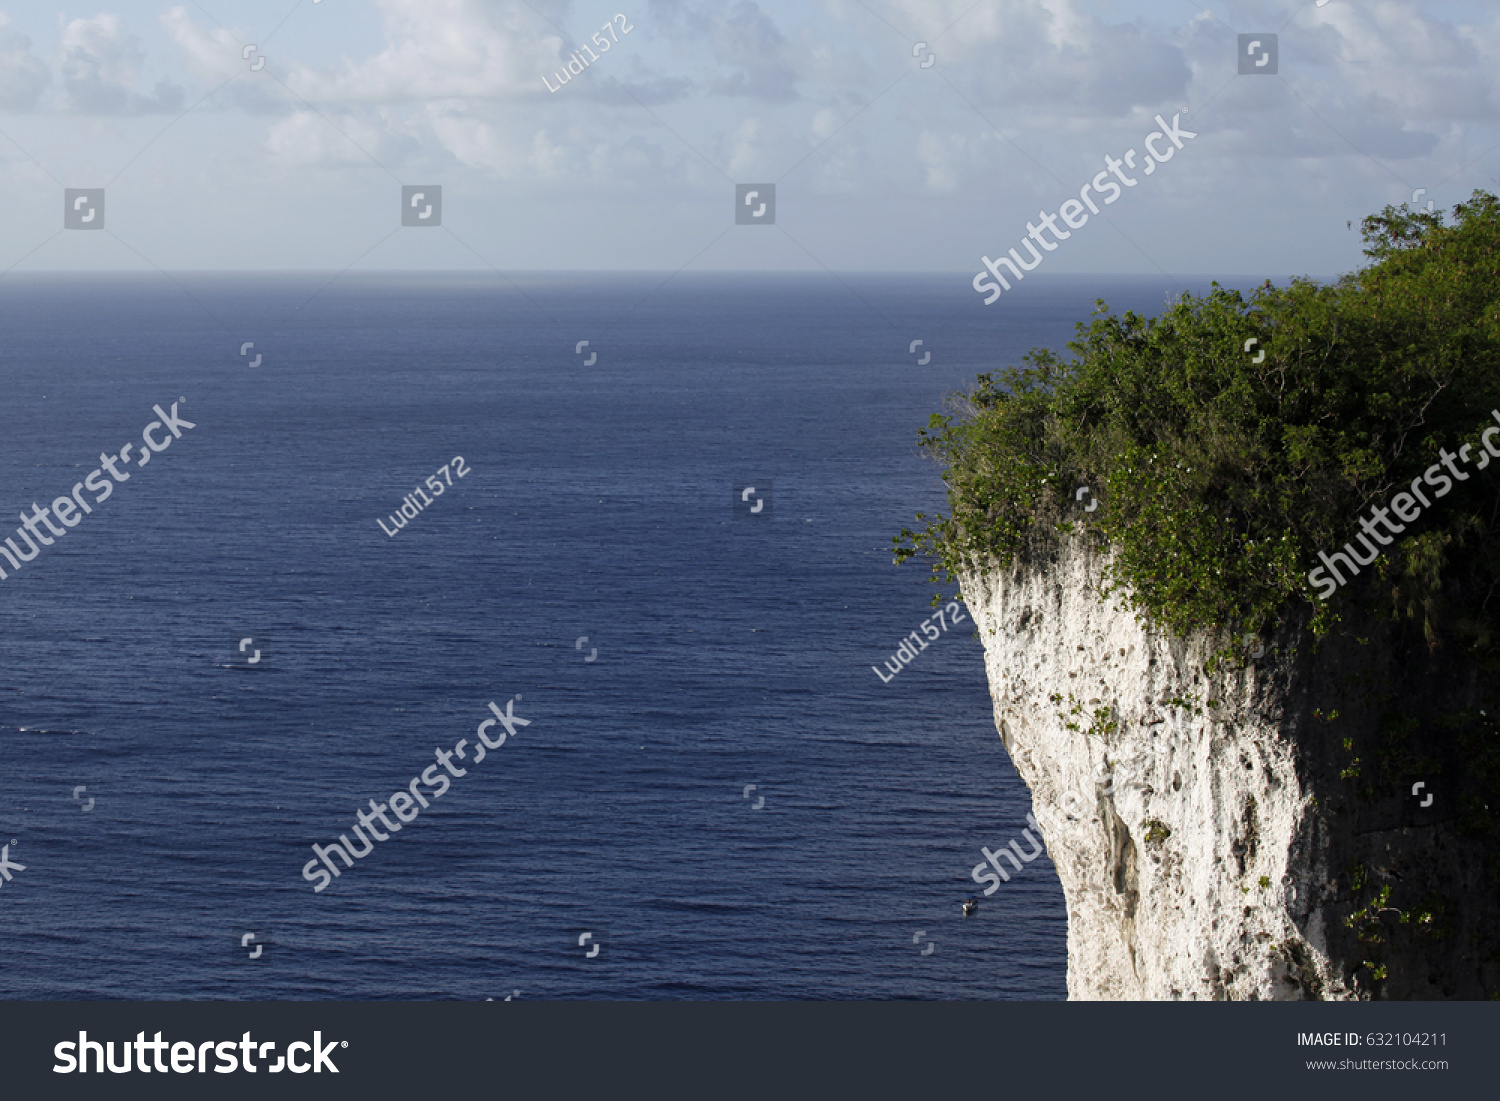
point(1236, 569)
point(1251, 834)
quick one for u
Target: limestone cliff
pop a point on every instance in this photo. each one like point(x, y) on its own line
point(1234, 835)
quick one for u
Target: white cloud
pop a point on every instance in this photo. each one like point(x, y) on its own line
point(100, 64)
point(212, 55)
point(445, 49)
point(1373, 99)
point(761, 59)
point(22, 76)
point(305, 139)
point(938, 153)
point(750, 152)
point(1050, 56)
point(1401, 63)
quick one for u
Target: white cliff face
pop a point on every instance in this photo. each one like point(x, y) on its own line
point(1181, 832)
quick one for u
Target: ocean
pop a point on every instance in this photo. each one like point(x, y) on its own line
point(601, 567)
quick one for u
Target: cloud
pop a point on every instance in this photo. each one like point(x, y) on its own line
point(22, 77)
point(450, 49)
point(215, 56)
point(1402, 63)
point(938, 155)
point(1050, 56)
point(747, 54)
point(305, 139)
point(515, 150)
point(760, 56)
point(211, 55)
point(460, 82)
point(100, 65)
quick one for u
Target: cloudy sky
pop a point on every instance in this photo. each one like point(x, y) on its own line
point(902, 135)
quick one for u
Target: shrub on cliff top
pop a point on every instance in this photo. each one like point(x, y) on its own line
point(1219, 479)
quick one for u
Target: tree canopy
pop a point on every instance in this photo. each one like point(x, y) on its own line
point(1219, 477)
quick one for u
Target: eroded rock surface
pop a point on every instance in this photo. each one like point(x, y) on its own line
point(1218, 850)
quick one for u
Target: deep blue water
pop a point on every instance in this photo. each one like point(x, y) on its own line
point(729, 651)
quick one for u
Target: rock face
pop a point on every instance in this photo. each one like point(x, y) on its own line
point(1238, 850)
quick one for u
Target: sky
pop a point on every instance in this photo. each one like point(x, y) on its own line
point(901, 135)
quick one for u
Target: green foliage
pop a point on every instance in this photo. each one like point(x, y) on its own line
point(1187, 703)
point(1350, 771)
point(1104, 725)
point(1428, 921)
point(1218, 478)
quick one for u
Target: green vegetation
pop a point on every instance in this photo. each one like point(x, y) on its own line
point(1429, 921)
point(1218, 478)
